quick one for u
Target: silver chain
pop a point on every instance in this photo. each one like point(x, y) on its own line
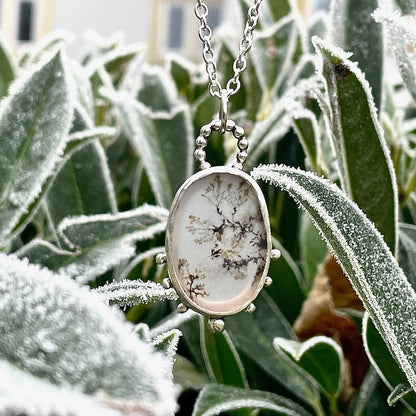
point(240, 63)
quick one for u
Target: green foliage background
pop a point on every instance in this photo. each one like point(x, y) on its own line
point(91, 157)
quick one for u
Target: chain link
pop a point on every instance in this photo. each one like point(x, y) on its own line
point(240, 63)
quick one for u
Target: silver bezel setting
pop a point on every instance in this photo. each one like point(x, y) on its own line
point(175, 279)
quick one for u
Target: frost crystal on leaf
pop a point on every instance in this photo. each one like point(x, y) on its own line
point(135, 292)
point(363, 255)
point(62, 333)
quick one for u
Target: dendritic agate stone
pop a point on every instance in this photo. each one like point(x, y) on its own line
point(218, 241)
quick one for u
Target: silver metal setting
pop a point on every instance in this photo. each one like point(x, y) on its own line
point(216, 125)
point(161, 258)
point(181, 308)
point(275, 254)
point(233, 305)
point(216, 325)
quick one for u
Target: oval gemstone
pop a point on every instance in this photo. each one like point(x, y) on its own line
point(218, 241)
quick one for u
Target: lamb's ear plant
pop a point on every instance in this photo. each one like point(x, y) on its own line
point(92, 154)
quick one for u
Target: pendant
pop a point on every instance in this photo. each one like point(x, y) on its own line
point(218, 239)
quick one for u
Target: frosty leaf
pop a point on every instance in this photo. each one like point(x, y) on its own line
point(363, 255)
point(355, 31)
point(46, 47)
point(267, 132)
point(167, 343)
point(359, 142)
point(402, 37)
point(82, 186)
point(255, 343)
point(83, 88)
point(7, 68)
point(272, 54)
point(22, 393)
point(34, 121)
point(135, 292)
point(97, 242)
point(156, 136)
point(221, 358)
point(181, 72)
point(65, 334)
point(407, 251)
point(306, 128)
point(158, 91)
point(114, 61)
point(173, 321)
point(367, 397)
point(322, 358)
point(124, 272)
point(42, 252)
point(279, 11)
point(382, 360)
point(216, 399)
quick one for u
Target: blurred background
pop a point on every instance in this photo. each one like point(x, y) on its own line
point(163, 25)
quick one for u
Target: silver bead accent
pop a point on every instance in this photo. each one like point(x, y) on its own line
point(238, 132)
point(181, 308)
point(241, 157)
point(251, 308)
point(275, 254)
point(204, 165)
point(166, 283)
point(215, 124)
point(268, 281)
point(216, 325)
point(200, 154)
point(243, 144)
point(230, 126)
point(205, 130)
point(161, 258)
point(238, 165)
point(201, 141)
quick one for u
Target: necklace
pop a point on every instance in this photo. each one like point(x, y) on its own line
point(218, 240)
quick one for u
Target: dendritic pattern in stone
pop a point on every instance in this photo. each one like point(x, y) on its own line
point(218, 241)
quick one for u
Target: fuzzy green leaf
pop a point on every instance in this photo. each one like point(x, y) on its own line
point(321, 357)
point(221, 357)
point(157, 91)
point(60, 332)
point(22, 393)
point(359, 142)
point(401, 35)
point(306, 128)
point(363, 255)
point(83, 185)
point(7, 68)
point(96, 243)
point(272, 54)
point(354, 30)
point(216, 399)
point(382, 360)
point(251, 340)
point(155, 136)
point(135, 292)
point(34, 121)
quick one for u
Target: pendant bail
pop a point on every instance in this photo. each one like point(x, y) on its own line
point(223, 113)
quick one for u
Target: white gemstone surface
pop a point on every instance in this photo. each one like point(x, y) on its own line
point(218, 241)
